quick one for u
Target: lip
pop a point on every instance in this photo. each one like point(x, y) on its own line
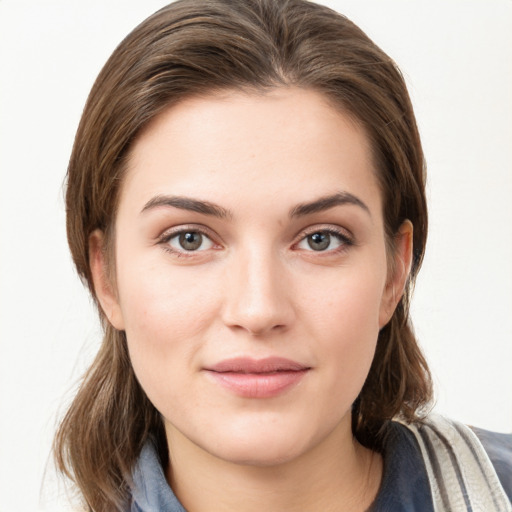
point(257, 378)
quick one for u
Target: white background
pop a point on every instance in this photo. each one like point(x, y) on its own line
point(457, 59)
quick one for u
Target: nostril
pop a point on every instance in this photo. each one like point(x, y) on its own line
point(273, 328)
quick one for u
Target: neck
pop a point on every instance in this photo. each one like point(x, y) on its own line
point(337, 474)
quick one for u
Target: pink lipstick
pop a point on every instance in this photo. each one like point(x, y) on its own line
point(257, 378)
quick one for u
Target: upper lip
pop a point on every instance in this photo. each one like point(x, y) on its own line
point(249, 365)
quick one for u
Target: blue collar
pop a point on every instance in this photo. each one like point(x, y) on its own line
point(404, 487)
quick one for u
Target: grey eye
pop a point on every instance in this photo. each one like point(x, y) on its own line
point(322, 241)
point(319, 241)
point(190, 241)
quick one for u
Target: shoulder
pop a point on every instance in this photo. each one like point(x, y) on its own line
point(465, 465)
point(499, 449)
point(405, 485)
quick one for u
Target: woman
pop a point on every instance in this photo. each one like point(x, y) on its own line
point(246, 203)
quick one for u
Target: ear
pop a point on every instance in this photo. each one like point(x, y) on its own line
point(103, 286)
point(400, 268)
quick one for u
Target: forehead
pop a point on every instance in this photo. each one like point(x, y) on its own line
point(289, 142)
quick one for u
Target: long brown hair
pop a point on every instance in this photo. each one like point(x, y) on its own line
point(194, 47)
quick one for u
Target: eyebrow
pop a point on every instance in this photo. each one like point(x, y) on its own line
point(324, 203)
point(189, 204)
point(207, 208)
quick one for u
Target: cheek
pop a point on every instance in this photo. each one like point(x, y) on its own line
point(344, 319)
point(158, 299)
point(165, 313)
point(348, 300)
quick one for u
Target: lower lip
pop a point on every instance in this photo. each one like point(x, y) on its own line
point(258, 385)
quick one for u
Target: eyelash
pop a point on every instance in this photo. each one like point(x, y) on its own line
point(345, 240)
point(167, 236)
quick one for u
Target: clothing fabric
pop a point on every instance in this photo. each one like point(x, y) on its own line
point(406, 486)
point(409, 453)
point(460, 474)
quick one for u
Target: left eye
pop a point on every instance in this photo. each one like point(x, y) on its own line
point(321, 241)
point(190, 241)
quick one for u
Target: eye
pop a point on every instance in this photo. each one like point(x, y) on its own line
point(323, 241)
point(189, 241)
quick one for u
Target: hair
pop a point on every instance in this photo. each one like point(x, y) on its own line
point(196, 47)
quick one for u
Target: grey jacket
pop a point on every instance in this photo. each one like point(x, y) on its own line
point(405, 484)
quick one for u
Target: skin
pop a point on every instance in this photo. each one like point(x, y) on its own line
point(255, 288)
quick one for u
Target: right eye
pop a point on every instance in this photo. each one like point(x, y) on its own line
point(189, 241)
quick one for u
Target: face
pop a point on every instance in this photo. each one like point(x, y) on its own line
point(251, 271)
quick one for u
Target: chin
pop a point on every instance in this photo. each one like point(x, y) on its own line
point(257, 446)
point(257, 454)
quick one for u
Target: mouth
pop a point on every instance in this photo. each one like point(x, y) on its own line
point(257, 378)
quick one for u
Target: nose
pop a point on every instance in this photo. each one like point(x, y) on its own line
point(257, 294)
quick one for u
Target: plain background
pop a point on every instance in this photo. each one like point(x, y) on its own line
point(457, 60)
